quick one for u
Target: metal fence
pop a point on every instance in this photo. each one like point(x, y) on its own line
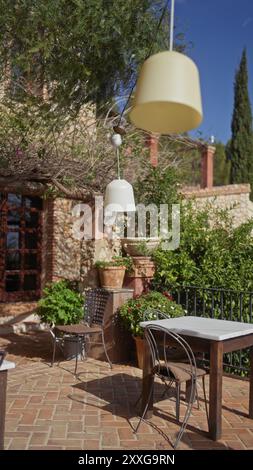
point(224, 304)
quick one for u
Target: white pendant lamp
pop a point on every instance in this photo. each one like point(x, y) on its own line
point(119, 194)
point(167, 97)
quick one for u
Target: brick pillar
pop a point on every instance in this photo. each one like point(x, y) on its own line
point(207, 166)
point(141, 275)
point(152, 143)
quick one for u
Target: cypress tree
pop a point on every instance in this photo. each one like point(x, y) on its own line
point(241, 145)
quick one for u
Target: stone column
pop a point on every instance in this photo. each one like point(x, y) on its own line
point(142, 274)
point(207, 166)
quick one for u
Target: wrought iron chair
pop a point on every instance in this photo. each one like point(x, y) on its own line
point(93, 324)
point(176, 357)
point(169, 371)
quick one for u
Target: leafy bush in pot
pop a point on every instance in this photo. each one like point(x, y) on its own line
point(124, 261)
point(60, 305)
point(135, 310)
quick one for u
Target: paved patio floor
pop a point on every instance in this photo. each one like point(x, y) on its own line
point(48, 408)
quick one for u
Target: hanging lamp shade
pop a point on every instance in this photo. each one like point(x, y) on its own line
point(167, 97)
point(119, 196)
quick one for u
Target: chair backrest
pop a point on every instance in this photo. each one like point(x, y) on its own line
point(154, 314)
point(161, 342)
point(95, 305)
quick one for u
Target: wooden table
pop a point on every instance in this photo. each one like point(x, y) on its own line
point(6, 365)
point(215, 337)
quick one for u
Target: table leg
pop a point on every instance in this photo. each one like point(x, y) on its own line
point(251, 384)
point(147, 382)
point(215, 389)
point(3, 386)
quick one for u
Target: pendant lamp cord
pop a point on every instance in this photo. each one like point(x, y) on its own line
point(166, 6)
point(172, 14)
point(117, 155)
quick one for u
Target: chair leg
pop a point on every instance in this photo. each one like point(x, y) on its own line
point(178, 389)
point(77, 351)
point(108, 359)
point(166, 388)
point(197, 396)
point(54, 348)
point(187, 414)
point(204, 391)
point(145, 409)
point(137, 401)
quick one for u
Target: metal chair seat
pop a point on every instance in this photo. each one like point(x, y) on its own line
point(178, 371)
point(78, 329)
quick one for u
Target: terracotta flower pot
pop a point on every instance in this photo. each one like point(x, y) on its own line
point(112, 277)
point(139, 342)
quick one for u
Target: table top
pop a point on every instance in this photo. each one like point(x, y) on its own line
point(206, 328)
point(7, 365)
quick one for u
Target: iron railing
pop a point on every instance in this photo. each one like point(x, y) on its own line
point(224, 304)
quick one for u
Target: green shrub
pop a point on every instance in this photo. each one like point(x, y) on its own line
point(212, 253)
point(133, 312)
point(60, 305)
point(125, 261)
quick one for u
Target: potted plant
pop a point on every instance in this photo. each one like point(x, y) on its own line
point(111, 273)
point(140, 308)
point(140, 246)
point(62, 305)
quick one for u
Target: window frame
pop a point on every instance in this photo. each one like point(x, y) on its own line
point(5, 207)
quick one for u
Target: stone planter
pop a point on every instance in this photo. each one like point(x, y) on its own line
point(139, 246)
point(139, 343)
point(112, 277)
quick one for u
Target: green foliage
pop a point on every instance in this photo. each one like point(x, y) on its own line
point(241, 145)
point(60, 305)
point(221, 165)
point(125, 261)
point(133, 312)
point(157, 186)
point(85, 48)
point(211, 253)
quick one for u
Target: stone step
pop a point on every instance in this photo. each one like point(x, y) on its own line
point(25, 327)
point(19, 317)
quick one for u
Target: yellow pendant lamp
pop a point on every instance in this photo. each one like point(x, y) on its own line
point(167, 96)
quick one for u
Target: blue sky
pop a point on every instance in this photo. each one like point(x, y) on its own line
point(219, 30)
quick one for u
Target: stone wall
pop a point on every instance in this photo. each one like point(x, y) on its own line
point(74, 259)
point(66, 248)
point(235, 197)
